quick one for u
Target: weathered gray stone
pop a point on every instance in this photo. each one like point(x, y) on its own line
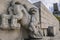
point(17, 16)
point(34, 32)
point(5, 24)
point(20, 20)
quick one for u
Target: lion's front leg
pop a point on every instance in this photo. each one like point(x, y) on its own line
point(5, 24)
point(14, 24)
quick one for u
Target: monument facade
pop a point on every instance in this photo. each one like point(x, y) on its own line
point(21, 20)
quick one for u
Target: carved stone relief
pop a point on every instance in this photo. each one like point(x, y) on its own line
point(17, 16)
point(34, 32)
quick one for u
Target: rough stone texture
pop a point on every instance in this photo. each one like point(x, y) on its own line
point(3, 5)
point(26, 23)
point(9, 35)
point(5, 23)
point(34, 28)
point(47, 19)
point(15, 12)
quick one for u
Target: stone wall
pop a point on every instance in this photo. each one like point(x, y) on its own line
point(47, 19)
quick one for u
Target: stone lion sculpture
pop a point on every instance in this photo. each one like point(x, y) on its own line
point(18, 16)
point(28, 20)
